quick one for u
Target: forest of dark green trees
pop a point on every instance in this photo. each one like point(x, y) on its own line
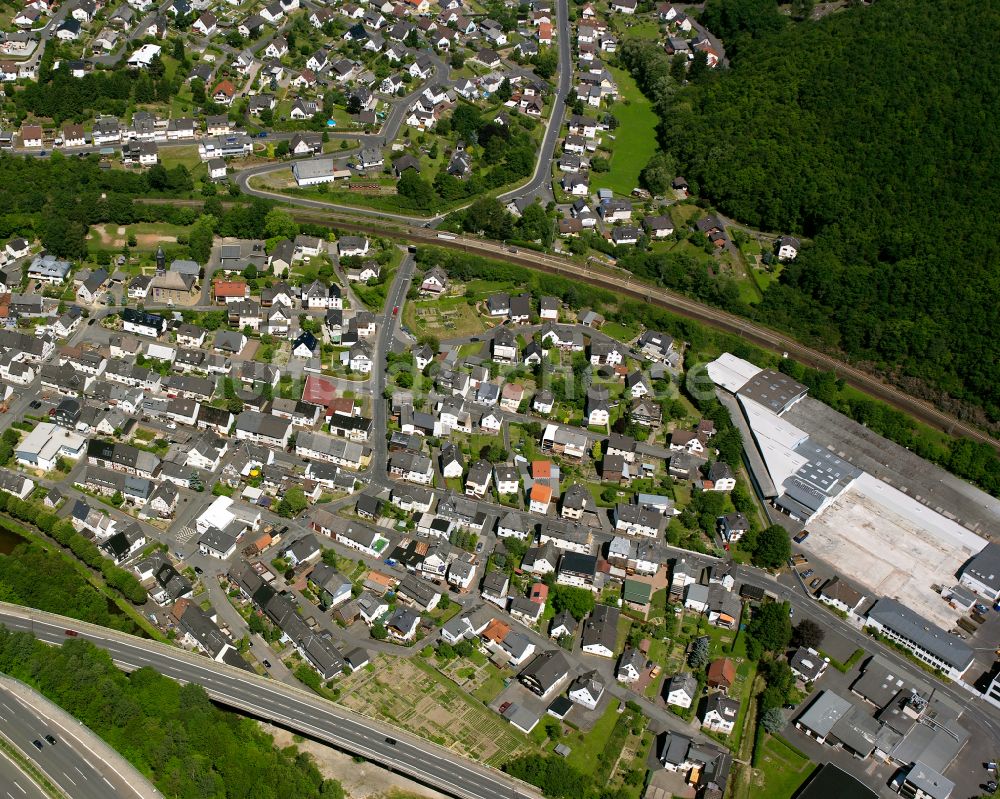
point(172, 733)
point(871, 133)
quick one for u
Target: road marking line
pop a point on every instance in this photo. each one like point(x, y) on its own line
point(69, 778)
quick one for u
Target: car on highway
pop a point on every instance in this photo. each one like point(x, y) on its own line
point(390, 741)
point(51, 739)
point(72, 633)
point(35, 404)
point(395, 311)
point(38, 744)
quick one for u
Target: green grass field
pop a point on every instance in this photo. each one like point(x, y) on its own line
point(635, 137)
point(647, 29)
point(620, 332)
point(780, 771)
point(587, 746)
point(185, 154)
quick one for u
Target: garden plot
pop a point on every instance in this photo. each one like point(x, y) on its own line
point(432, 708)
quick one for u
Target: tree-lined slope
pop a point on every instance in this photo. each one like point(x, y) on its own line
point(875, 133)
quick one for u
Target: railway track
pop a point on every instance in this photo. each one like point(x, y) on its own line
point(622, 283)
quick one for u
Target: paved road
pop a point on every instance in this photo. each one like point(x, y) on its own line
point(543, 164)
point(386, 330)
point(791, 589)
point(292, 708)
point(394, 121)
point(75, 763)
point(15, 784)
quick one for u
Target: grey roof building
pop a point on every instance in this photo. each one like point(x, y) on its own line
point(927, 641)
point(545, 673)
point(982, 572)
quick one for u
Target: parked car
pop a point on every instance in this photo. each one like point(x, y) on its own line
point(808, 573)
point(51, 739)
point(37, 743)
point(801, 537)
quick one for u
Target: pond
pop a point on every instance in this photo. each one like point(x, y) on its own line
point(9, 539)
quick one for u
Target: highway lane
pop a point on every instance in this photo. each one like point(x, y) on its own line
point(287, 706)
point(68, 762)
point(15, 784)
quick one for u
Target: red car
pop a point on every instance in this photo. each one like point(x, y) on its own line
point(395, 310)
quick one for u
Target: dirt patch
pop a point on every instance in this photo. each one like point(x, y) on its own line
point(149, 240)
point(109, 235)
point(360, 780)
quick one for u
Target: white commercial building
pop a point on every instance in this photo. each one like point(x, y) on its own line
point(44, 445)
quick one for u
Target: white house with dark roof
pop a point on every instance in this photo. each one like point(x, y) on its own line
point(982, 573)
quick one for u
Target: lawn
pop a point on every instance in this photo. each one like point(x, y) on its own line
point(186, 154)
point(620, 332)
point(587, 746)
point(481, 288)
point(491, 688)
point(780, 770)
point(647, 29)
point(635, 137)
